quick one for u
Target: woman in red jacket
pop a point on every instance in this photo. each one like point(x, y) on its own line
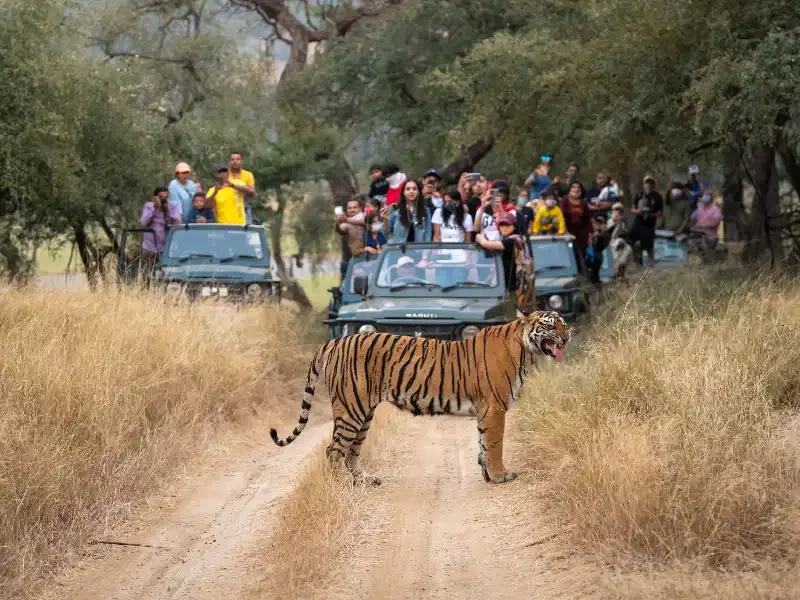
point(577, 215)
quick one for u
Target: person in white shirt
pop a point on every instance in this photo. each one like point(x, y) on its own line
point(452, 222)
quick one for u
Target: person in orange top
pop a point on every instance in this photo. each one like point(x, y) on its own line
point(243, 182)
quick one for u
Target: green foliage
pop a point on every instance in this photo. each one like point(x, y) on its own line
point(68, 135)
point(609, 83)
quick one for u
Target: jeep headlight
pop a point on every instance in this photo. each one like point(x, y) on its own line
point(469, 332)
point(174, 288)
point(254, 290)
point(555, 301)
point(366, 328)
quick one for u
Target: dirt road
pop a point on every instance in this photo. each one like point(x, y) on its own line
point(434, 529)
point(438, 531)
point(196, 543)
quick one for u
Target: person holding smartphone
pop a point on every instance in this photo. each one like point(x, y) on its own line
point(494, 204)
point(539, 179)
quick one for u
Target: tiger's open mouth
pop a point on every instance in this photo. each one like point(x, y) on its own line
point(553, 350)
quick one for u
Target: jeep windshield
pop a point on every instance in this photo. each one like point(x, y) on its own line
point(443, 269)
point(554, 258)
point(217, 245)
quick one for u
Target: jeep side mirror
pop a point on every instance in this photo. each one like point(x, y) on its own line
point(360, 285)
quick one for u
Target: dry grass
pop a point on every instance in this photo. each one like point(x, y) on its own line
point(666, 444)
point(101, 394)
point(318, 522)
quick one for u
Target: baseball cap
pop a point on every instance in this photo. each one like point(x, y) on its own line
point(433, 172)
point(183, 167)
point(499, 184)
point(694, 169)
point(405, 260)
point(648, 178)
point(221, 167)
point(507, 219)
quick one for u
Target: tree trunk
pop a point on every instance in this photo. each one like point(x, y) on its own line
point(469, 157)
point(789, 160)
point(87, 254)
point(767, 219)
point(291, 289)
point(733, 196)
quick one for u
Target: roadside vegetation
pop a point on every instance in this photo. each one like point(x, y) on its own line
point(669, 448)
point(318, 523)
point(102, 395)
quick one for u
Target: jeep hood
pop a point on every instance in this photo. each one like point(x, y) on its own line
point(550, 285)
point(421, 309)
point(217, 272)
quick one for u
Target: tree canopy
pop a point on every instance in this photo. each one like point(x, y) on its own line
point(101, 102)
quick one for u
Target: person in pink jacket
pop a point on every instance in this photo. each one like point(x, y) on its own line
point(706, 219)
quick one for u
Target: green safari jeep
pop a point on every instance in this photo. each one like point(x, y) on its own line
point(204, 262)
point(433, 290)
point(562, 283)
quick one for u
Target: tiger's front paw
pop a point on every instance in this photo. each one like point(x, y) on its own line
point(505, 477)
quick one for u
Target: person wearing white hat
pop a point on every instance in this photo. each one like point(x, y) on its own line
point(182, 189)
point(695, 189)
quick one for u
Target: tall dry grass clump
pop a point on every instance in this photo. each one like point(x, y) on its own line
point(100, 394)
point(667, 442)
point(318, 522)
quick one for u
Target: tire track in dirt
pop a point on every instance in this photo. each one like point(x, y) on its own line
point(435, 530)
point(206, 534)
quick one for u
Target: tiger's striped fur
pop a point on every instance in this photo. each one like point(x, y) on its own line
point(480, 376)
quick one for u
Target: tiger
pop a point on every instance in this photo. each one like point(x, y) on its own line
point(481, 376)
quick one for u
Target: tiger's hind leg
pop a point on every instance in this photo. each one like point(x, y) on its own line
point(491, 428)
point(353, 459)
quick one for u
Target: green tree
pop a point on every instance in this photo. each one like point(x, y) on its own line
point(68, 136)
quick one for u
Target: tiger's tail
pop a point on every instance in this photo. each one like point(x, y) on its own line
point(305, 406)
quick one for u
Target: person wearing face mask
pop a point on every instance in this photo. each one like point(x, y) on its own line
point(648, 206)
point(374, 239)
point(549, 218)
point(526, 209)
point(677, 208)
point(706, 219)
point(452, 223)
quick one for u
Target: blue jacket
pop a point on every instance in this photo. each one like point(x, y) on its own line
point(206, 212)
point(397, 233)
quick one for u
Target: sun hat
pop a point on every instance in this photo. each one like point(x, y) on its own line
point(183, 167)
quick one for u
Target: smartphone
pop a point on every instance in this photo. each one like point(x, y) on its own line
point(474, 175)
point(338, 210)
point(494, 194)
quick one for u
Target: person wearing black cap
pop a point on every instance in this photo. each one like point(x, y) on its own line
point(647, 207)
point(431, 181)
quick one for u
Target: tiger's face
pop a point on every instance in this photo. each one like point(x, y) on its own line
point(545, 332)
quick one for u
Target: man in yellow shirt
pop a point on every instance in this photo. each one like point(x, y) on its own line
point(228, 206)
point(248, 183)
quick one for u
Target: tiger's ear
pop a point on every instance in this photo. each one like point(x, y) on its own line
point(521, 315)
